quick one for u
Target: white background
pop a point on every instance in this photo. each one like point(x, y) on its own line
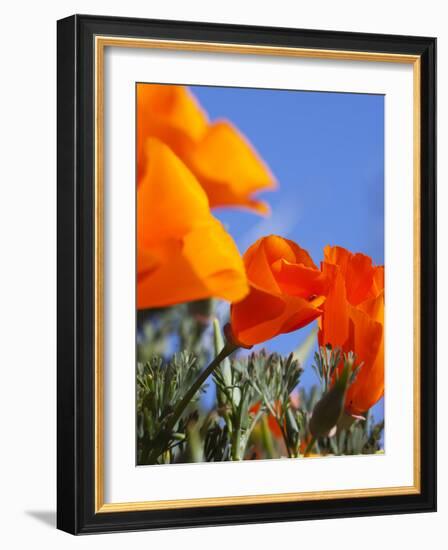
point(27, 275)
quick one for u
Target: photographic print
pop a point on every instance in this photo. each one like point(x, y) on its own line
point(260, 274)
point(246, 274)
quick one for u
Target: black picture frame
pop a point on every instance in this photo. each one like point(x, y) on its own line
point(76, 254)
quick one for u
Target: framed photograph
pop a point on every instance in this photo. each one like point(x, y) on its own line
point(246, 274)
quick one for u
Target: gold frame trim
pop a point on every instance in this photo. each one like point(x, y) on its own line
point(101, 42)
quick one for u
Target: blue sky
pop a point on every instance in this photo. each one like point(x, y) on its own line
point(326, 151)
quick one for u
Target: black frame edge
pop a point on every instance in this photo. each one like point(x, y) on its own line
point(76, 269)
point(428, 299)
point(66, 274)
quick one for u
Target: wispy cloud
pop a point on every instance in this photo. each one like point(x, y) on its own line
point(283, 219)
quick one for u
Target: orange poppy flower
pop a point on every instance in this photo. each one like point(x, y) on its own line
point(272, 422)
point(286, 292)
point(223, 161)
point(183, 252)
point(353, 320)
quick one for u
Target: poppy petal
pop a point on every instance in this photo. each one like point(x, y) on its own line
point(228, 168)
point(215, 258)
point(259, 270)
point(337, 255)
point(298, 280)
point(334, 323)
point(358, 278)
point(256, 318)
point(208, 264)
point(168, 187)
point(301, 313)
point(262, 316)
point(169, 113)
point(276, 248)
point(368, 386)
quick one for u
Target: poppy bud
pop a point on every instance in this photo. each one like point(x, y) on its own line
point(328, 410)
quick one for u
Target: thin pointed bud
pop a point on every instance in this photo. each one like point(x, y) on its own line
point(225, 364)
point(195, 446)
point(218, 340)
point(328, 410)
